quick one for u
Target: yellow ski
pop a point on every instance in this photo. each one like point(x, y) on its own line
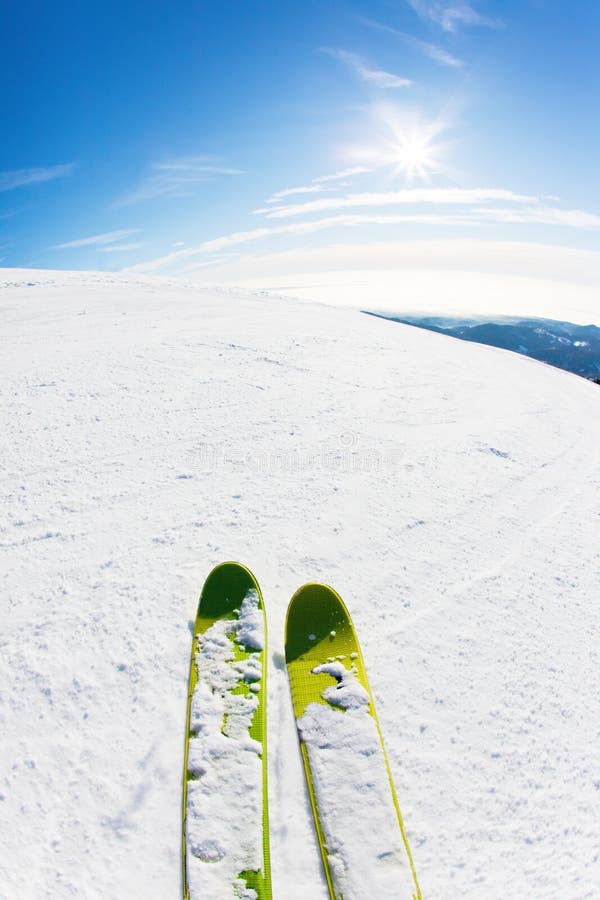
point(225, 839)
point(359, 826)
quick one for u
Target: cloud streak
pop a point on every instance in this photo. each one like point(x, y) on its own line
point(540, 215)
point(316, 186)
point(450, 16)
point(344, 173)
point(119, 248)
point(288, 192)
point(176, 178)
point(255, 234)
point(433, 51)
point(444, 196)
point(377, 77)
point(544, 215)
point(16, 178)
point(97, 240)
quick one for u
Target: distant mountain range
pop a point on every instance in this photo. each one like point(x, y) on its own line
point(575, 348)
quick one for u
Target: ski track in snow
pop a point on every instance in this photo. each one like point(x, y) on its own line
point(448, 491)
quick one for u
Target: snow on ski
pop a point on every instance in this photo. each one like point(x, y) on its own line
point(225, 810)
point(359, 827)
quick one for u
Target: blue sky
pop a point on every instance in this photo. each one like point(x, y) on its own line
point(183, 138)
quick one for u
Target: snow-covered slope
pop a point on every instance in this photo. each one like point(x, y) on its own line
point(151, 430)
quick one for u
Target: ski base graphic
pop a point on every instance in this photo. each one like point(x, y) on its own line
point(357, 818)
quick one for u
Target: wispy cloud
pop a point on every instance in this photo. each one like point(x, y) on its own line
point(288, 192)
point(316, 186)
point(119, 248)
point(255, 234)
point(344, 173)
point(444, 196)
point(16, 178)
point(433, 51)
point(451, 15)
point(377, 77)
point(544, 215)
point(209, 263)
point(99, 240)
point(469, 217)
point(437, 53)
point(176, 178)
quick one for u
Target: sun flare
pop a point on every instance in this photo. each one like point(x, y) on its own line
point(415, 156)
point(405, 143)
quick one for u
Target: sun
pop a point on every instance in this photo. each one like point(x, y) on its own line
point(403, 142)
point(415, 156)
point(412, 147)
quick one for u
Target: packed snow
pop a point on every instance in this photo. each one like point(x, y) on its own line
point(249, 632)
point(348, 692)
point(364, 845)
point(449, 492)
point(224, 793)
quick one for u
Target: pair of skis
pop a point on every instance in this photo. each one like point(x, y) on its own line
point(225, 839)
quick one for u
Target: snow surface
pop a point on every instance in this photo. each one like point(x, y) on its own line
point(448, 491)
point(225, 798)
point(364, 843)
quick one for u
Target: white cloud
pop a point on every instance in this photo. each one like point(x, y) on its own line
point(176, 178)
point(16, 178)
point(383, 79)
point(209, 263)
point(433, 51)
point(395, 198)
point(436, 53)
point(377, 77)
point(544, 215)
point(316, 187)
point(108, 237)
point(474, 216)
point(449, 276)
point(306, 189)
point(119, 248)
point(345, 173)
point(450, 16)
point(242, 237)
point(343, 221)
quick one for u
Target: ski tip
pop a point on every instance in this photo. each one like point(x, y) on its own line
point(225, 588)
point(316, 614)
